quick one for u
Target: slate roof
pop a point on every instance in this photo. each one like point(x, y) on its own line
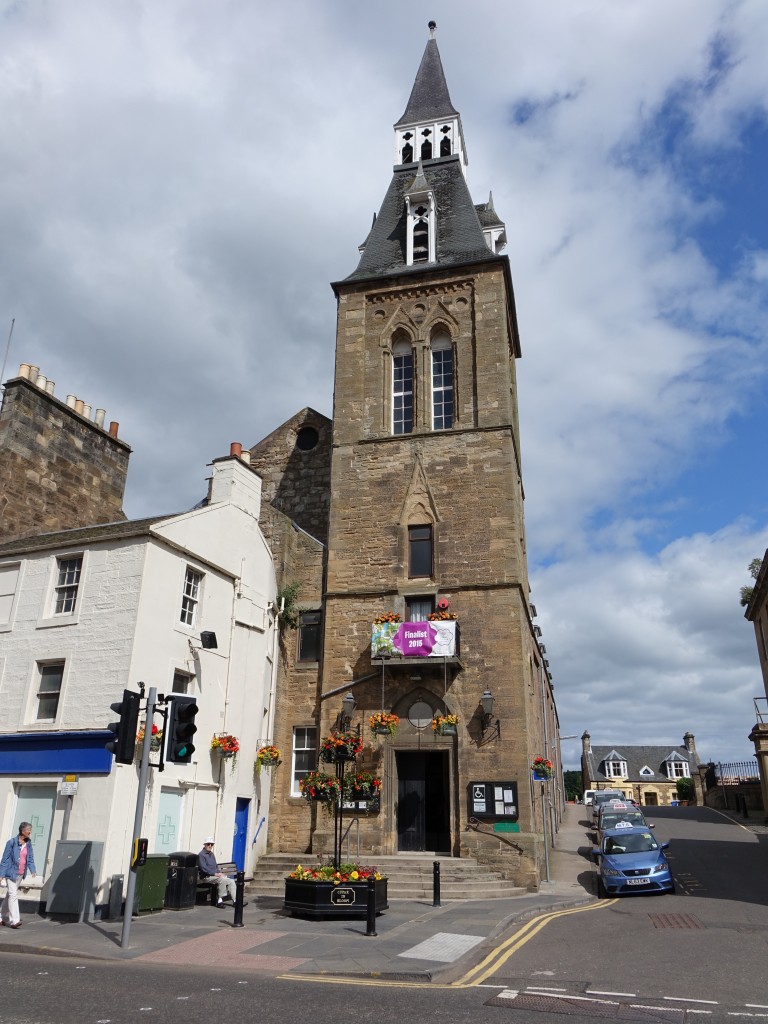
point(460, 236)
point(638, 758)
point(429, 100)
point(487, 214)
point(81, 536)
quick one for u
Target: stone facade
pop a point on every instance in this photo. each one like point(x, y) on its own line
point(58, 469)
point(294, 463)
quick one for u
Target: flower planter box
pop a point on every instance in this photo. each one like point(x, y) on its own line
point(448, 730)
point(324, 899)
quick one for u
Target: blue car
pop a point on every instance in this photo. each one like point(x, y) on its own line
point(632, 860)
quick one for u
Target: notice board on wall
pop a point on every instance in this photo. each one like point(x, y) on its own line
point(492, 800)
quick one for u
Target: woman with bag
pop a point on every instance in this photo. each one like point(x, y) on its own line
point(18, 861)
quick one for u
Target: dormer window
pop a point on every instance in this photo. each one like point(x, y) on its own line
point(421, 228)
point(678, 770)
point(421, 235)
point(616, 769)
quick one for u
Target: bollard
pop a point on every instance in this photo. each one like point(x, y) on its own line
point(239, 889)
point(371, 907)
point(436, 883)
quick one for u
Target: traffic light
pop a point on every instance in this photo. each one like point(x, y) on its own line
point(123, 746)
point(181, 729)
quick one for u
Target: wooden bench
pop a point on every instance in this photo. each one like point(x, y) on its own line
point(207, 888)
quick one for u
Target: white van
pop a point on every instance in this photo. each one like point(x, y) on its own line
point(589, 796)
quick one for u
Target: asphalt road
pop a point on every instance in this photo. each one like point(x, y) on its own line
point(704, 947)
point(698, 955)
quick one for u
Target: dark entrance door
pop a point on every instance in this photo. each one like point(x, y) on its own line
point(423, 801)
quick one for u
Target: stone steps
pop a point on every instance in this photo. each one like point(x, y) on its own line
point(410, 877)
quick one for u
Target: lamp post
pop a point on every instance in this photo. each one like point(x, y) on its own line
point(348, 705)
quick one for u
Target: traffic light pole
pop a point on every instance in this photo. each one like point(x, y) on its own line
point(139, 816)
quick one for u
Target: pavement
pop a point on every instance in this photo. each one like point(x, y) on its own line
point(414, 941)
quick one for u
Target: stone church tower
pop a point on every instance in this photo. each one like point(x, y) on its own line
point(426, 519)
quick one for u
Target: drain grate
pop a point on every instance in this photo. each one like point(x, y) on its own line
point(675, 921)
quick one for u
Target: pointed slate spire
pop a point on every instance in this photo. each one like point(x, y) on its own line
point(419, 183)
point(429, 99)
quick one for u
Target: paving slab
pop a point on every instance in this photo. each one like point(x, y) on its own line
point(414, 940)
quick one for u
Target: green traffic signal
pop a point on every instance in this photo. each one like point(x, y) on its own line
point(181, 729)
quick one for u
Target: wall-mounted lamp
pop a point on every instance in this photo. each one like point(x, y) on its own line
point(348, 705)
point(487, 722)
point(208, 642)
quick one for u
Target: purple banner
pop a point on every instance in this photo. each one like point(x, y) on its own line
point(415, 639)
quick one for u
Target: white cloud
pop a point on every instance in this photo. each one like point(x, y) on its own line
point(179, 183)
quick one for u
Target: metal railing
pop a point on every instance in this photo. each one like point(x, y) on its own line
point(761, 710)
point(734, 772)
point(356, 823)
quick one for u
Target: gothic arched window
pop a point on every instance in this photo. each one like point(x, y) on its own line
point(402, 386)
point(442, 380)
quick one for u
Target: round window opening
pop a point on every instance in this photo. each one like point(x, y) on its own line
point(420, 714)
point(307, 439)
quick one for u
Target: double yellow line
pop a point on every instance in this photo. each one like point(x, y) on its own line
point(499, 956)
point(477, 975)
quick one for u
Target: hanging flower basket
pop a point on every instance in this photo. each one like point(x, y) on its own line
point(227, 746)
point(321, 788)
point(445, 725)
point(266, 758)
point(542, 768)
point(362, 785)
point(380, 620)
point(340, 746)
point(383, 723)
point(155, 739)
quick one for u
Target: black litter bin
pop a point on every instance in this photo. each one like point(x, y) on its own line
point(181, 887)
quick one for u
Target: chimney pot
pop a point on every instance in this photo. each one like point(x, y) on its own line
point(24, 371)
point(98, 419)
point(246, 456)
point(236, 449)
point(114, 426)
point(41, 382)
point(79, 405)
point(49, 387)
point(33, 372)
point(71, 401)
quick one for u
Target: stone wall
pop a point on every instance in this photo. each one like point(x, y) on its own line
point(294, 463)
point(58, 470)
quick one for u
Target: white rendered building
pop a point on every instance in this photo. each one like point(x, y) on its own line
point(86, 613)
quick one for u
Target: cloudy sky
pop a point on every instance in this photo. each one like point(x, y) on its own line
point(180, 181)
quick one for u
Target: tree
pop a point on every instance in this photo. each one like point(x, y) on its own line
point(754, 571)
point(572, 783)
point(685, 789)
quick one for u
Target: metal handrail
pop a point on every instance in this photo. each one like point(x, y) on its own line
point(761, 715)
point(353, 821)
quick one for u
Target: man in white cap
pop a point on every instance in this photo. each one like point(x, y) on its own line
point(209, 871)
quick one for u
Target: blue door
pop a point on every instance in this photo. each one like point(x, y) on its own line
point(240, 840)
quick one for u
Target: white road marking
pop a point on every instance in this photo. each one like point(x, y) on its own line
point(599, 992)
point(508, 993)
point(682, 999)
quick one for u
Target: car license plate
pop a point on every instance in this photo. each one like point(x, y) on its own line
point(638, 881)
